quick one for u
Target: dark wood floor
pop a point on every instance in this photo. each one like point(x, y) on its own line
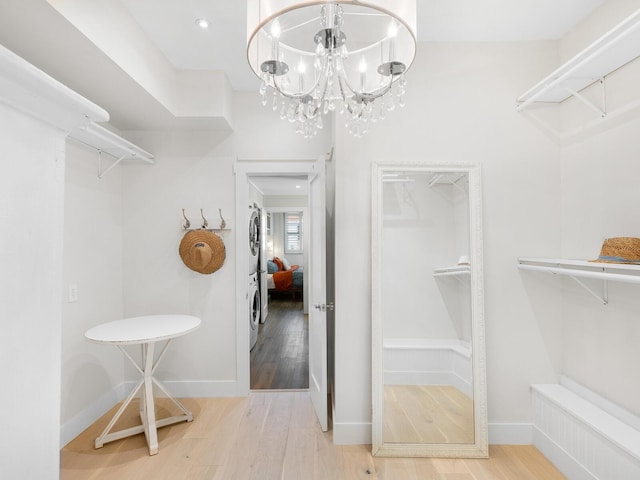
point(280, 359)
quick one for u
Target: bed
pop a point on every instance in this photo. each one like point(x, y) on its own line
point(285, 281)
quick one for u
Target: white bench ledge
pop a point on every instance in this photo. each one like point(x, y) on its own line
point(617, 432)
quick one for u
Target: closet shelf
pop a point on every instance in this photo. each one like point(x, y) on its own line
point(457, 270)
point(614, 49)
point(105, 141)
point(581, 268)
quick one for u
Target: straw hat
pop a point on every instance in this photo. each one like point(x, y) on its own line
point(202, 251)
point(620, 250)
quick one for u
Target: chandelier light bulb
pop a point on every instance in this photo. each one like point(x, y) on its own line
point(362, 66)
point(392, 31)
point(275, 29)
point(202, 23)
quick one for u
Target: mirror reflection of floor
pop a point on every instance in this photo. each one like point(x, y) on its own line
point(427, 414)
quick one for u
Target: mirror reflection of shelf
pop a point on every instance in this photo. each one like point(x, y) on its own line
point(456, 179)
point(616, 272)
point(457, 270)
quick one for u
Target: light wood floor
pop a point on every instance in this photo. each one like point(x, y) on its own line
point(427, 414)
point(280, 358)
point(271, 436)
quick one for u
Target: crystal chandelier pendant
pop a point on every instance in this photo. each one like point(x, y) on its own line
point(316, 57)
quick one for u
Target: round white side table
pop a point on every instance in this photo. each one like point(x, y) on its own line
point(145, 331)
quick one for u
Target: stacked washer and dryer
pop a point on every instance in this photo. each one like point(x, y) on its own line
point(255, 241)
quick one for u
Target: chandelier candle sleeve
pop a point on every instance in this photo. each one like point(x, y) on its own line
point(315, 56)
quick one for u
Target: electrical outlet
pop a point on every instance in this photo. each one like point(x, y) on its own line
point(73, 292)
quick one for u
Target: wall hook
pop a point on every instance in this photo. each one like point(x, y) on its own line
point(222, 222)
point(205, 224)
point(187, 223)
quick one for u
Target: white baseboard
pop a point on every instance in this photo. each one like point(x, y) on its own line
point(198, 389)
point(80, 421)
point(345, 433)
point(190, 389)
point(510, 434)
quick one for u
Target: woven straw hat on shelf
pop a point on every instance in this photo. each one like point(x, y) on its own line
point(620, 250)
point(202, 251)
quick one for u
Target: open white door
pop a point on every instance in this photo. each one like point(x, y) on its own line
point(318, 294)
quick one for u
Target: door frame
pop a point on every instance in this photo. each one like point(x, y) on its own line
point(244, 169)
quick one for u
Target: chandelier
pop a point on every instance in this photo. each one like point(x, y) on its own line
point(316, 57)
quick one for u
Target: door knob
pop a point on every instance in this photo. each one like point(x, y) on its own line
point(323, 307)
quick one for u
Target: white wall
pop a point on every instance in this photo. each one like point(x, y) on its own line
point(155, 278)
point(31, 195)
point(195, 170)
point(92, 374)
point(35, 114)
point(601, 199)
point(460, 106)
point(132, 218)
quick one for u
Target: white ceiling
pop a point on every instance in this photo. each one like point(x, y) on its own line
point(281, 185)
point(170, 24)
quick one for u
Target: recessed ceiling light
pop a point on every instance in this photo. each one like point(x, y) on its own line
point(298, 186)
point(202, 23)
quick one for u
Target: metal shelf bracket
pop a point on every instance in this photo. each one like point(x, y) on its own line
point(602, 111)
point(604, 298)
point(102, 172)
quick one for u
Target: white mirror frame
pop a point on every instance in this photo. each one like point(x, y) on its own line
point(480, 447)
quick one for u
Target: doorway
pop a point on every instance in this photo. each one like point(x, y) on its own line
point(314, 170)
point(279, 359)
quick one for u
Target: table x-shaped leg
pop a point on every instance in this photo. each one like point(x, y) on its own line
point(147, 404)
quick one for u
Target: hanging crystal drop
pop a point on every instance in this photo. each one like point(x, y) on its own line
point(263, 94)
point(391, 102)
point(291, 112)
point(403, 80)
point(319, 124)
point(330, 74)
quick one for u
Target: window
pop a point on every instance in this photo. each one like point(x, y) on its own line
point(293, 232)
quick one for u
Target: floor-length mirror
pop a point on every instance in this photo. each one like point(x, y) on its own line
point(429, 387)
